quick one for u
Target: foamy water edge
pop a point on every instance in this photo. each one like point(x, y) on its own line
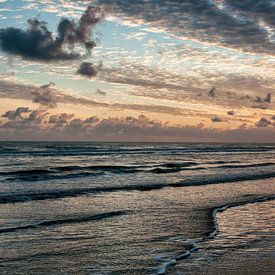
point(194, 243)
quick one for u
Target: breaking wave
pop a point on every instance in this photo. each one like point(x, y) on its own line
point(196, 181)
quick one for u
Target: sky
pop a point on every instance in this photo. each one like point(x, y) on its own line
point(128, 70)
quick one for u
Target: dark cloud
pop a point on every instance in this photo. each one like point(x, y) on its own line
point(44, 96)
point(87, 69)
point(267, 99)
point(217, 119)
point(258, 99)
point(16, 114)
point(37, 116)
point(76, 125)
point(236, 24)
point(231, 113)
point(61, 119)
point(263, 122)
point(273, 118)
point(92, 119)
point(31, 122)
point(263, 10)
point(212, 92)
point(100, 92)
point(37, 42)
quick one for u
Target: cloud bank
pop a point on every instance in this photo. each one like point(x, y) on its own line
point(43, 126)
point(246, 25)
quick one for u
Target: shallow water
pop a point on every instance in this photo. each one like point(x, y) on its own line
point(116, 208)
point(245, 243)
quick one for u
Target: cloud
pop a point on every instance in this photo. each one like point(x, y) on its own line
point(143, 76)
point(231, 113)
point(260, 10)
point(31, 122)
point(20, 91)
point(92, 119)
point(190, 112)
point(37, 116)
point(217, 119)
point(212, 92)
point(44, 96)
point(87, 69)
point(16, 114)
point(263, 122)
point(40, 125)
point(260, 106)
point(100, 92)
point(258, 99)
point(37, 42)
point(267, 99)
point(245, 25)
point(60, 119)
point(189, 86)
point(46, 86)
point(41, 120)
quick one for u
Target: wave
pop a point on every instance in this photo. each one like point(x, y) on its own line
point(264, 164)
point(179, 165)
point(173, 170)
point(196, 181)
point(193, 244)
point(112, 168)
point(68, 172)
point(115, 149)
point(65, 221)
point(67, 169)
point(93, 170)
point(49, 176)
point(223, 162)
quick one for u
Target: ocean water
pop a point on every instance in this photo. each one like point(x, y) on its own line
point(245, 243)
point(134, 208)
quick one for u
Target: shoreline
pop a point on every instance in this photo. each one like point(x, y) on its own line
point(211, 235)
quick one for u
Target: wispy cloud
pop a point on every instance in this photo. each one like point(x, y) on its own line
point(44, 96)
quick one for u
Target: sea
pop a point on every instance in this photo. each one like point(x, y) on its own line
point(136, 208)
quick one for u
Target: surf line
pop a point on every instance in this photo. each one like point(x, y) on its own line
point(95, 217)
point(161, 270)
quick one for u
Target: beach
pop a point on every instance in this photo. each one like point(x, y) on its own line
point(244, 243)
point(151, 213)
